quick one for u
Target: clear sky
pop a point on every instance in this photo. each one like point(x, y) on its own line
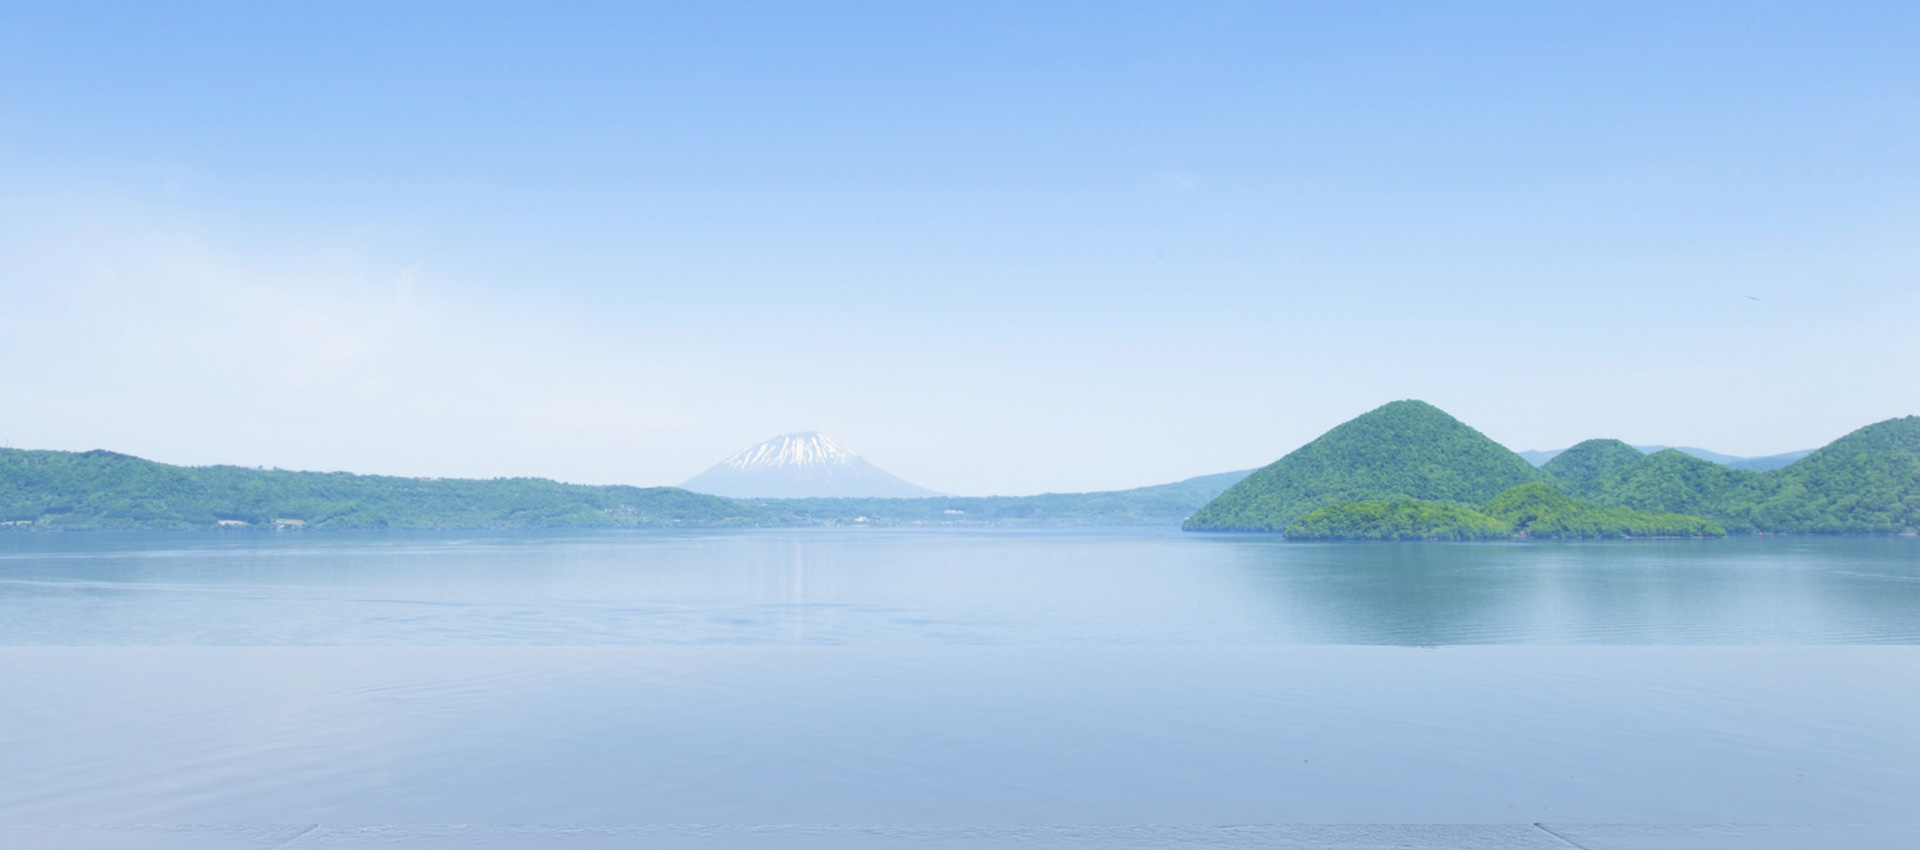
point(995, 248)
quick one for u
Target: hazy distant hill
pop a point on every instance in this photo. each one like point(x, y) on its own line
point(1160, 504)
point(1539, 457)
point(1403, 450)
point(1756, 464)
point(800, 466)
point(100, 489)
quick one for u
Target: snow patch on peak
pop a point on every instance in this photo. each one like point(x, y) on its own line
point(802, 450)
point(799, 466)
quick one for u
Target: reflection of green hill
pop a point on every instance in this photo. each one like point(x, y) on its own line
point(1403, 450)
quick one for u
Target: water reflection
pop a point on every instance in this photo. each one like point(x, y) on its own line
point(1821, 590)
point(865, 677)
point(888, 588)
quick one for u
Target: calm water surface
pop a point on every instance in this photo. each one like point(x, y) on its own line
point(872, 587)
point(953, 677)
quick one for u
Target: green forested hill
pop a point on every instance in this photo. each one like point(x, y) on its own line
point(1668, 480)
point(1386, 466)
point(1865, 482)
point(1536, 510)
point(1397, 519)
point(100, 489)
point(1402, 450)
point(1581, 465)
point(1868, 480)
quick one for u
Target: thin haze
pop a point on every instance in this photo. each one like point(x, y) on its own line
point(994, 248)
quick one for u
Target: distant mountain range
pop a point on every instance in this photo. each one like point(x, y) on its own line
point(801, 466)
point(1539, 457)
point(80, 491)
point(1407, 470)
point(1160, 504)
point(75, 491)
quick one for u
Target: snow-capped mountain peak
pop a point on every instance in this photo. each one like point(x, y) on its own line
point(804, 449)
point(800, 466)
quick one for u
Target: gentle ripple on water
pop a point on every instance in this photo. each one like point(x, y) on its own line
point(1120, 683)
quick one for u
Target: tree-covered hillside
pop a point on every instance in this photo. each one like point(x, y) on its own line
point(1402, 450)
point(1535, 510)
point(1669, 481)
point(1538, 510)
point(1587, 462)
point(104, 490)
point(99, 489)
point(1868, 480)
point(1865, 482)
point(1397, 519)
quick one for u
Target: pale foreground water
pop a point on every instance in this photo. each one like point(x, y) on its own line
point(955, 689)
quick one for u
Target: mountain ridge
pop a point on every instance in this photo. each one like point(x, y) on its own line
point(1759, 463)
point(47, 490)
point(55, 490)
point(1867, 481)
point(1404, 478)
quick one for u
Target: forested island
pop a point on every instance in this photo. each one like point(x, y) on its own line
point(1408, 470)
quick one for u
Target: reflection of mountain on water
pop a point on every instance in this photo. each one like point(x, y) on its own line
point(1629, 592)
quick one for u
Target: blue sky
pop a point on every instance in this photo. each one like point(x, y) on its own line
point(997, 248)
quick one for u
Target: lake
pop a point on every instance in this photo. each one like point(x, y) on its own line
point(955, 689)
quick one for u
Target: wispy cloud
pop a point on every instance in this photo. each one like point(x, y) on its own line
point(131, 332)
